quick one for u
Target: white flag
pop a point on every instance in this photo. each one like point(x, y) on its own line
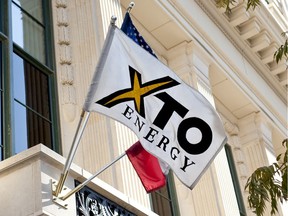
point(173, 121)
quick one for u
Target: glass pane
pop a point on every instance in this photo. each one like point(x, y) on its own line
point(31, 86)
point(1, 131)
point(1, 16)
point(28, 33)
point(32, 7)
point(20, 128)
point(1, 88)
point(1, 92)
point(30, 129)
point(161, 202)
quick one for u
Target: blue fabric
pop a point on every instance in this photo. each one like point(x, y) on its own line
point(130, 30)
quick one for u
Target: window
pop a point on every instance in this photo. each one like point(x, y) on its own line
point(1, 93)
point(31, 105)
point(164, 200)
point(28, 27)
point(28, 95)
point(1, 17)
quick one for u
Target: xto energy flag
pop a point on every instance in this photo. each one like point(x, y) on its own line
point(173, 121)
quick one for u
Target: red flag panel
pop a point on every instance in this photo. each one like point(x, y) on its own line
point(147, 167)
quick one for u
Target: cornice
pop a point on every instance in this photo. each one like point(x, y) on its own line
point(242, 44)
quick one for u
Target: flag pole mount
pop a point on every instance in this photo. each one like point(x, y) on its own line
point(56, 199)
point(131, 5)
point(80, 129)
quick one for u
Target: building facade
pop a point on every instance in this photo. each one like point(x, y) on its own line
point(48, 54)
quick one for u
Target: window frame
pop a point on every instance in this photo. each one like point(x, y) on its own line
point(235, 180)
point(172, 195)
point(1, 102)
point(8, 47)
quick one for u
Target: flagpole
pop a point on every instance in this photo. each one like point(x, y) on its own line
point(80, 186)
point(79, 132)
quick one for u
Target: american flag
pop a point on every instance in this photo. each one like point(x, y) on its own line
point(130, 30)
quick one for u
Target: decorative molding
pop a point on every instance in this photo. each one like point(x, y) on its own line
point(180, 60)
point(239, 156)
point(256, 21)
point(63, 35)
point(232, 129)
point(265, 132)
point(61, 3)
point(89, 202)
point(65, 61)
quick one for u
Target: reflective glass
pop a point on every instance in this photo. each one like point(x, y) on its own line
point(31, 105)
point(32, 7)
point(31, 86)
point(161, 202)
point(30, 129)
point(27, 28)
point(1, 92)
point(1, 131)
point(1, 16)
point(20, 128)
point(1, 66)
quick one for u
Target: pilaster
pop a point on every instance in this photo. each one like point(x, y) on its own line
point(255, 138)
point(64, 62)
point(108, 9)
point(256, 141)
point(238, 156)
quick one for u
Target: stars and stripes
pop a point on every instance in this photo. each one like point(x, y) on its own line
point(130, 30)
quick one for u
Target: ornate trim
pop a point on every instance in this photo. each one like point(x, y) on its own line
point(65, 60)
point(89, 202)
point(264, 66)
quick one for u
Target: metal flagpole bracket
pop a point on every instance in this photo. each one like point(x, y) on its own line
point(57, 199)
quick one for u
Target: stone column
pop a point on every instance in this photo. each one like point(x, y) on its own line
point(108, 9)
point(256, 141)
point(238, 156)
point(255, 138)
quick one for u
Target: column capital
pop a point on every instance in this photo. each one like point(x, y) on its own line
point(231, 128)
